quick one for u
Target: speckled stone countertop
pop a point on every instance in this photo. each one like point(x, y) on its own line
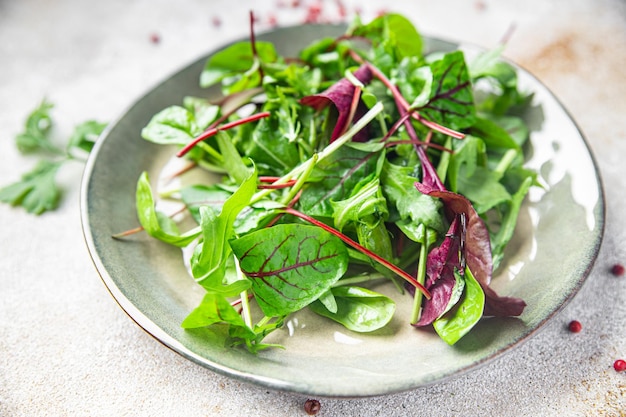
point(67, 349)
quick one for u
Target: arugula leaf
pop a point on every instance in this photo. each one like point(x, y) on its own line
point(35, 136)
point(209, 261)
point(37, 191)
point(290, 265)
point(358, 309)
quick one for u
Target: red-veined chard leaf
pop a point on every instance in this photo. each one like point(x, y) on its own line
point(442, 280)
point(341, 96)
point(451, 101)
point(152, 222)
point(290, 265)
point(455, 324)
point(358, 309)
point(477, 251)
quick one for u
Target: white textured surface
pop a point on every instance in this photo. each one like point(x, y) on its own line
point(67, 349)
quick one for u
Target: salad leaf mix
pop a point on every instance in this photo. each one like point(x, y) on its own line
point(363, 159)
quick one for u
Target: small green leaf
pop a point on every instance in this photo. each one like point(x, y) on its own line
point(455, 324)
point(204, 111)
point(85, 135)
point(236, 66)
point(35, 138)
point(150, 219)
point(398, 186)
point(37, 192)
point(237, 168)
point(397, 34)
point(174, 125)
point(290, 265)
point(358, 309)
point(365, 203)
point(214, 308)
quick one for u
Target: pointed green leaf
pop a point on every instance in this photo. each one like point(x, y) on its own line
point(214, 308)
point(149, 217)
point(209, 264)
point(455, 324)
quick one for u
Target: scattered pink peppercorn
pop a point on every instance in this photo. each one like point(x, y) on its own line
point(618, 270)
point(619, 365)
point(575, 326)
point(272, 20)
point(312, 407)
point(155, 38)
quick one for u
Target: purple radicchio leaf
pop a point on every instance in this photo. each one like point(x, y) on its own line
point(340, 95)
point(477, 250)
point(440, 280)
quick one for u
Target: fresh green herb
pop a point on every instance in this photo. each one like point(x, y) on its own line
point(356, 164)
point(37, 191)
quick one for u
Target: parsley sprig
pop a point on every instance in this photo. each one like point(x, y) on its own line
point(37, 191)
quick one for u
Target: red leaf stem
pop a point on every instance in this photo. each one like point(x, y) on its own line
point(253, 42)
point(210, 132)
point(286, 184)
point(362, 249)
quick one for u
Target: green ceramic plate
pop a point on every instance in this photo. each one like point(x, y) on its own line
point(555, 245)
